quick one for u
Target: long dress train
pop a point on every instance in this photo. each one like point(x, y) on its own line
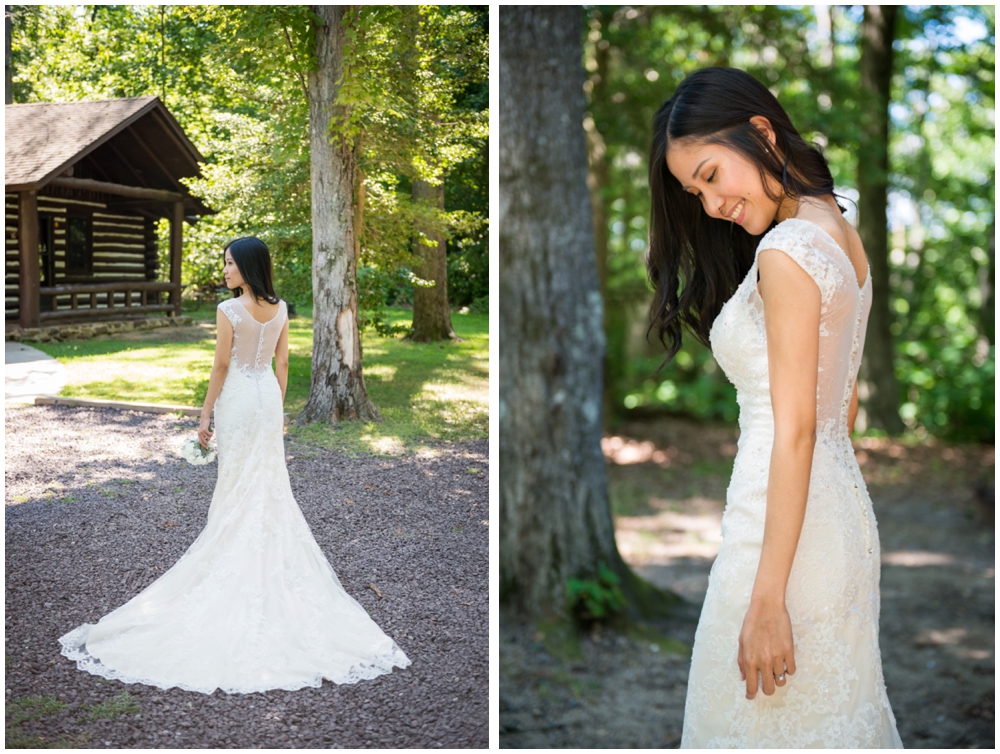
point(837, 696)
point(253, 604)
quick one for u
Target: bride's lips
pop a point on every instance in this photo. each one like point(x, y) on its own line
point(741, 205)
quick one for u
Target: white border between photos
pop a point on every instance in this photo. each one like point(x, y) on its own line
point(494, 446)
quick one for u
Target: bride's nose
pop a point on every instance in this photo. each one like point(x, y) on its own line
point(714, 205)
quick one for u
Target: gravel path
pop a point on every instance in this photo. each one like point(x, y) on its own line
point(99, 504)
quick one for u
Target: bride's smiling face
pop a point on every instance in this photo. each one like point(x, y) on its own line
point(728, 184)
point(231, 273)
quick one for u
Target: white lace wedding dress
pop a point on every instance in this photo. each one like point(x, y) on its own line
point(837, 696)
point(253, 604)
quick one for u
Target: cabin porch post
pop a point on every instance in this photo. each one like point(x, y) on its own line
point(176, 241)
point(28, 273)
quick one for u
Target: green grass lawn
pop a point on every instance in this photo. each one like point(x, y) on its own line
point(427, 392)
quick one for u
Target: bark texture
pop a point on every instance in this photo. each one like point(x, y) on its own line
point(337, 391)
point(554, 517)
point(875, 67)
point(8, 85)
point(431, 315)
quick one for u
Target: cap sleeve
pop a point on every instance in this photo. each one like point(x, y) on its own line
point(228, 308)
point(797, 239)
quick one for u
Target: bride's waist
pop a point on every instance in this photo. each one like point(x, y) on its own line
point(757, 429)
point(253, 373)
point(242, 378)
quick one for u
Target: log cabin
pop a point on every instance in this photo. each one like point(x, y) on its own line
point(85, 186)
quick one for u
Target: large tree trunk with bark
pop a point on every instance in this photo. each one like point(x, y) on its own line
point(877, 32)
point(337, 391)
point(598, 180)
point(555, 522)
point(431, 315)
point(8, 85)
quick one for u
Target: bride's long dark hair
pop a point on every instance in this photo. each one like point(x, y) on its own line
point(253, 260)
point(695, 262)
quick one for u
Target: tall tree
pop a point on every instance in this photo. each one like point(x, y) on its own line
point(8, 87)
point(337, 390)
point(555, 522)
point(875, 68)
point(431, 314)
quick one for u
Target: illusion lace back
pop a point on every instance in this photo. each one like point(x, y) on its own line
point(253, 604)
point(837, 696)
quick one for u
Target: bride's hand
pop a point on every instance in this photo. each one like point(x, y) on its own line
point(766, 648)
point(204, 433)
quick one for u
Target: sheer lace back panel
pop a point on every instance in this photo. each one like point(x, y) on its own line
point(253, 342)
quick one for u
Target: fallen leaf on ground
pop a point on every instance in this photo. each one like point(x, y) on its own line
point(375, 589)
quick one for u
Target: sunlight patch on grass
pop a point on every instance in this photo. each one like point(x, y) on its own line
point(383, 445)
point(383, 372)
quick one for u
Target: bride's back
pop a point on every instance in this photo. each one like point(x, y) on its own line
point(253, 342)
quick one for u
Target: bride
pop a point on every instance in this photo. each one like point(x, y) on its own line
point(253, 604)
point(750, 251)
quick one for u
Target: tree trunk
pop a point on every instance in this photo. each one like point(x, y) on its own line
point(337, 391)
point(359, 200)
point(987, 310)
point(598, 179)
point(8, 87)
point(554, 517)
point(877, 31)
point(431, 315)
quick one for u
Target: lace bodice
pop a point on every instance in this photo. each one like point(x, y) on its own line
point(739, 344)
point(253, 341)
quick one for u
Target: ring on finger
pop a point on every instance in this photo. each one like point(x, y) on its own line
point(780, 677)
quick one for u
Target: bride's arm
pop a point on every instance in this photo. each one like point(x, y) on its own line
point(281, 360)
point(791, 318)
point(223, 345)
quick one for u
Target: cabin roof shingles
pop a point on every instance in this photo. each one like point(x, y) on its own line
point(42, 139)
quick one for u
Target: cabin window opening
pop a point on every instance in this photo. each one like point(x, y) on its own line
point(78, 246)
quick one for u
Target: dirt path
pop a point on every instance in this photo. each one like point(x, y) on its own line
point(667, 482)
point(99, 504)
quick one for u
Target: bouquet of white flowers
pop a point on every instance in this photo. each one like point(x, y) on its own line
point(193, 453)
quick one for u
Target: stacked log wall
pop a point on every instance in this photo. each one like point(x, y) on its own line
point(123, 248)
point(10, 256)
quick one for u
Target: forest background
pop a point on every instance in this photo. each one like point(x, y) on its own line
point(941, 196)
point(610, 520)
point(235, 79)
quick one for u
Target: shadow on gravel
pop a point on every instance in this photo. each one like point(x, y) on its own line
point(99, 504)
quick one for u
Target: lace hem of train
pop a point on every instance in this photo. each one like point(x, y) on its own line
point(73, 647)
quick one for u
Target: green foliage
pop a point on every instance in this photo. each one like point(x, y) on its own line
point(120, 704)
point(411, 108)
point(236, 78)
point(31, 708)
point(941, 194)
point(597, 598)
